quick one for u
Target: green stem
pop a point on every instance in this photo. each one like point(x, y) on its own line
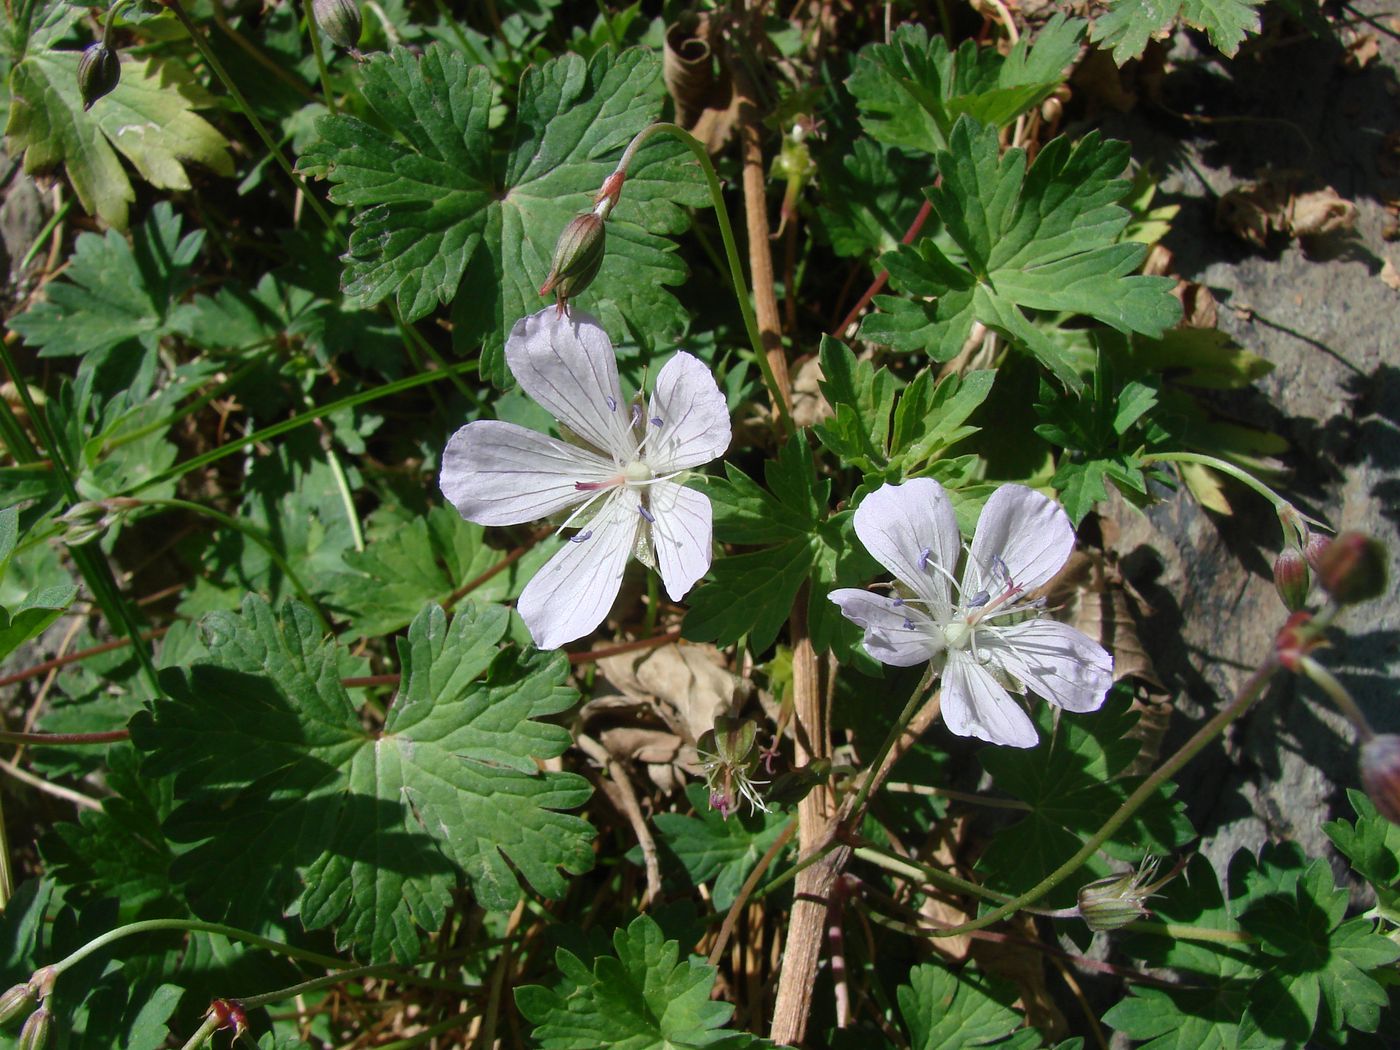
point(254, 1002)
point(278, 429)
point(233, 933)
point(891, 738)
point(185, 410)
point(314, 31)
point(1337, 693)
point(1190, 933)
point(202, 43)
point(254, 534)
point(419, 1038)
point(202, 1033)
point(94, 567)
point(1242, 476)
point(410, 332)
point(802, 862)
point(915, 871)
point(58, 216)
point(731, 251)
point(1248, 693)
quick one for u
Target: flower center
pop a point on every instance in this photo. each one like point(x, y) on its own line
point(957, 633)
point(637, 473)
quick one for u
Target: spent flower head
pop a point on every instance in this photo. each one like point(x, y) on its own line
point(729, 757)
point(1113, 902)
point(987, 634)
point(618, 478)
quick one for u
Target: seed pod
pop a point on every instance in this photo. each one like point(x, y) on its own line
point(577, 257)
point(1291, 578)
point(340, 20)
point(1112, 903)
point(1352, 568)
point(1380, 774)
point(15, 1002)
point(99, 70)
point(35, 1033)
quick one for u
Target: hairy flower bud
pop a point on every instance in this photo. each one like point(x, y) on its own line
point(35, 1033)
point(1112, 903)
point(98, 72)
point(1291, 578)
point(340, 20)
point(1380, 774)
point(16, 1002)
point(577, 257)
point(1352, 568)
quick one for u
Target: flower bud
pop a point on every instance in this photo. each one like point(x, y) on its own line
point(98, 72)
point(1112, 903)
point(1380, 774)
point(16, 1002)
point(577, 257)
point(1291, 578)
point(1313, 549)
point(1352, 568)
point(85, 522)
point(340, 20)
point(35, 1033)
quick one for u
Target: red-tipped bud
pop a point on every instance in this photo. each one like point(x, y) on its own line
point(1380, 774)
point(1296, 639)
point(16, 1002)
point(1352, 568)
point(99, 71)
point(577, 257)
point(1291, 578)
point(35, 1033)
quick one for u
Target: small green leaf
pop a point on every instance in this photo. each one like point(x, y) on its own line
point(1128, 24)
point(644, 999)
point(711, 847)
point(1372, 845)
point(945, 1010)
point(149, 117)
point(287, 795)
point(1040, 239)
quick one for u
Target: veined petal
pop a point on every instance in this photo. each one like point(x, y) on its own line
point(974, 704)
point(1030, 533)
point(498, 473)
point(566, 364)
point(681, 533)
point(574, 590)
point(911, 529)
point(895, 634)
point(688, 419)
point(1053, 660)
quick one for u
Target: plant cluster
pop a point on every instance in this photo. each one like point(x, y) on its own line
point(493, 603)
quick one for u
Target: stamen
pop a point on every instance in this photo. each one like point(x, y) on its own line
point(595, 486)
point(924, 556)
point(908, 624)
point(1000, 570)
point(612, 403)
point(586, 534)
point(657, 421)
point(896, 601)
point(636, 413)
point(650, 518)
point(978, 600)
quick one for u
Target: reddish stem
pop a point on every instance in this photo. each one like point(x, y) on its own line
point(81, 654)
point(624, 647)
point(925, 210)
point(70, 739)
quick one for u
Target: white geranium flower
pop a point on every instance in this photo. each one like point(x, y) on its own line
point(620, 482)
point(979, 630)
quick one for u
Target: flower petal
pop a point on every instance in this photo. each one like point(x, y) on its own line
point(974, 704)
point(694, 418)
point(1053, 660)
point(911, 529)
point(565, 362)
point(498, 473)
point(895, 634)
point(681, 535)
point(574, 590)
point(1030, 533)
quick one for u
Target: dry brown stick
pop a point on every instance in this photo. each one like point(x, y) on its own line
point(623, 795)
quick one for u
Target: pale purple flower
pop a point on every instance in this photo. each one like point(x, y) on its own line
point(986, 634)
point(619, 483)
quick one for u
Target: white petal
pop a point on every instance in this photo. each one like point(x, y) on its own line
point(498, 473)
point(694, 418)
point(1029, 532)
point(910, 529)
point(681, 535)
point(1053, 660)
point(566, 363)
point(895, 634)
point(574, 590)
point(974, 704)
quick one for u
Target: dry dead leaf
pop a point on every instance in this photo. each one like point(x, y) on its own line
point(1390, 275)
point(689, 685)
point(1361, 52)
point(1319, 213)
point(1254, 212)
point(1198, 305)
point(808, 404)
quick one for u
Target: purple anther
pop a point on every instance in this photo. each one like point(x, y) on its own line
point(656, 421)
point(612, 403)
point(978, 600)
point(636, 413)
point(999, 569)
point(924, 556)
point(908, 624)
point(581, 536)
point(896, 601)
point(650, 518)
